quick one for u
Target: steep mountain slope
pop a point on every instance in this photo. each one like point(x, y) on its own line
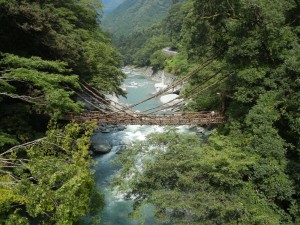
point(134, 15)
point(110, 5)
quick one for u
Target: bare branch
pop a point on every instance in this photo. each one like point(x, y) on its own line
point(12, 166)
point(16, 178)
point(11, 79)
point(4, 71)
point(26, 145)
point(6, 164)
point(58, 146)
point(24, 98)
point(6, 79)
point(8, 183)
point(20, 160)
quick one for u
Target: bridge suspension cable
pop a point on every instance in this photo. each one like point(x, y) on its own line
point(91, 94)
point(95, 96)
point(167, 103)
point(87, 101)
point(88, 88)
point(176, 83)
point(191, 96)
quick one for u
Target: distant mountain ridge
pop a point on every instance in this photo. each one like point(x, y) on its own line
point(110, 5)
point(134, 15)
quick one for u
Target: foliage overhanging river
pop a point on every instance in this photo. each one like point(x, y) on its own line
point(116, 210)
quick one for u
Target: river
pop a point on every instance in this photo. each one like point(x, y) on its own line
point(138, 87)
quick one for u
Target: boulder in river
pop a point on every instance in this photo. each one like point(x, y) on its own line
point(121, 127)
point(121, 149)
point(200, 130)
point(102, 147)
point(105, 130)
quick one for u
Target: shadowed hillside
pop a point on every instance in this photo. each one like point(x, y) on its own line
point(110, 5)
point(134, 15)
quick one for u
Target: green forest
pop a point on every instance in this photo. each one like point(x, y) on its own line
point(247, 171)
point(110, 5)
point(46, 49)
point(134, 15)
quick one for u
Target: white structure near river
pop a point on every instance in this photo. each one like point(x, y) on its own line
point(162, 80)
point(138, 87)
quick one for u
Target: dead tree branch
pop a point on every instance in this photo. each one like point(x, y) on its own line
point(32, 100)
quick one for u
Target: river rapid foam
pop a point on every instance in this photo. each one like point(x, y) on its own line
point(117, 208)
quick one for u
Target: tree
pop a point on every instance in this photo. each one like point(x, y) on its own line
point(248, 170)
point(46, 47)
point(29, 87)
point(49, 179)
point(142, 57)
point(158, 60)
point(196, 184)
point(67, 31)
point(257, 49)
point(47, 81)
point(173, 22)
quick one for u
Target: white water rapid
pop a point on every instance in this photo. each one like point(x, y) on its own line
point(117, 209)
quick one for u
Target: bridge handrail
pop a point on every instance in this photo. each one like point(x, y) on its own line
point(184, 118)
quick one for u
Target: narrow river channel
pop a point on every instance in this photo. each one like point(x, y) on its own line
point(138, 87)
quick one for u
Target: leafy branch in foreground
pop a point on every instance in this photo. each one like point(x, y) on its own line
point(49, 179)
point(43, 82)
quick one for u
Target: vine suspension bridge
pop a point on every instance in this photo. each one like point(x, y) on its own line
point(110, 112)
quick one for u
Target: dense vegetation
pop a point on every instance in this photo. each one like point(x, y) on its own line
point(110, 5)
point(46, 47)
point(143, 47)
point(247, 171)
point(135, 15)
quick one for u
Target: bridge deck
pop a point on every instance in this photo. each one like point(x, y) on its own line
point(198, 118)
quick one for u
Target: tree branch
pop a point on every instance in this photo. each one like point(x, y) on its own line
point(6, 79)
point(24, 98)
point(4, 71)
point(8, 183)
point(6, 163)
point(20, 160)
point(10, 174)
point(25, 145)
point(58, 146)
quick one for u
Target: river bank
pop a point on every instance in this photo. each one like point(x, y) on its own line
point(109, 141)
point(149, 72)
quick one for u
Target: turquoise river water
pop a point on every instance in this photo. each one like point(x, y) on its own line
point(116, 209)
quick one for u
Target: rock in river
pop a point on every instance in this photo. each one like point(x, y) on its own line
point(102, 147)
point(121, 149)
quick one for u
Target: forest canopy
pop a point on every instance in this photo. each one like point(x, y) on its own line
point(46, 49)
point(247, 172)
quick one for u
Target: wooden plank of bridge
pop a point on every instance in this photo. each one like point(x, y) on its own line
point(194, 118)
